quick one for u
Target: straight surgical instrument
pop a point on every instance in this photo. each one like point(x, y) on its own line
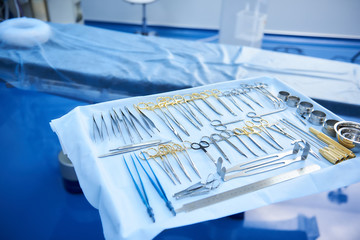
point(168, 101)
point(149, 124)
point(96, 127)
point(142, 193)
point(268, 165)
point(166, 149)
point(213, 141)
point(157, 185)
point(216, 93)
point(262, 129)
point(118, 121)
point(203, 97)
point(243, 131)
point(130, 148)
point(229, 96)
point(230, 194)
point(191, 101)
point(212, 182)
point(126, 121)
point(180, 100)
point(166, 167)
point(237, 94)
point(257, 117)
point(101, 125)
point(151, 106)
point(136, 120)
point(245, 88)
point(224, 137)
point(219, 126)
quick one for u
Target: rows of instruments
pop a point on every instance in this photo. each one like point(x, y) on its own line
point(264, 131)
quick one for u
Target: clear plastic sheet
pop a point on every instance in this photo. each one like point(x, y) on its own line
point(97, 65)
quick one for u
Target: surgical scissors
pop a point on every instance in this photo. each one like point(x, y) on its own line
point(219, 126)
point(224, 136)
point(213, 141)
point(202, 145)
point(257, 117)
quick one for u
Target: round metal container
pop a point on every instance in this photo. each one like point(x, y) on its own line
point(293, 101)
point(283, 95)
point(305, 108)
point(317, 117)
point(348, 135)
point(328, 127)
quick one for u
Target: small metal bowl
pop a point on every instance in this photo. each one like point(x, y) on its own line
point(317, 117)
point(305, 108)
point(283, 95)
point(348, 134)
point(293, 101)
point(328, 127)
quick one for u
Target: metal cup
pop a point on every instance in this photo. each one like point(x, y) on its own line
point(283, 95)
point(293, 101)
point(328, 127)
point(305, 108)
point(317, 117)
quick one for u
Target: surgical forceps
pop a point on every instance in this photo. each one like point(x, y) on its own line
point(217, 93)
point(189, 99)
point(237, 94)
point(203, 97)
point(202, 145)
point(152, 106)
point(245, 88)
point(262, 127)
point(117, 123)
point(212, 182)
point(166, 166)
point(257, 117)
point(142, 193)
point(132, 117)
point(213, 141)
point(219, 126)
point(168, 101)
point(186, 154)
point(180, 100)
point(243, 131)
point(126, 121)
point(224, 136)
point(261, 88)
point(257, 131)
point(161, 102)
point(149, 124)
point(229, 95)
point(166, 149)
